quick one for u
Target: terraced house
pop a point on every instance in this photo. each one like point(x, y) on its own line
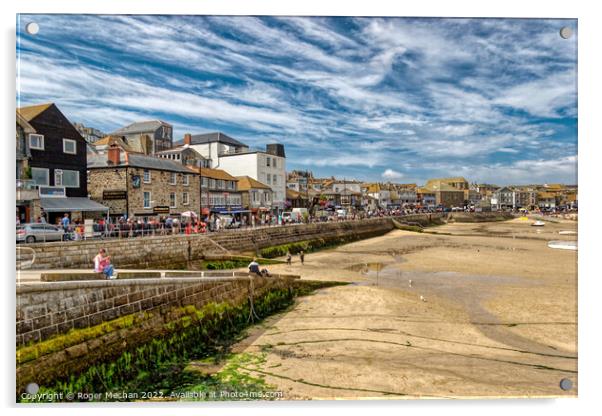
point(138, 185)
point(219, 192)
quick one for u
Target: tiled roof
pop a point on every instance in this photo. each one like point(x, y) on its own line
point(141, 127)
point(435, 185)
point(112, 140)
point(211, 138)
point(27, 128)
point(215, 174)
point(453, 179)
point(246, 183)
point(32, 111)
point(140, 161)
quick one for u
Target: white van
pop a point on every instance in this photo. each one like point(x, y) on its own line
point(298, 214)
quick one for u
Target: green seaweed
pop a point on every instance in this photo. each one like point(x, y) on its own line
point(159, 365)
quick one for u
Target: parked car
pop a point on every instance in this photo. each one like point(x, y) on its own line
point(35, 232)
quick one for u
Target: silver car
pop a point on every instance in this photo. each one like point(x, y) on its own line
point(36, 232)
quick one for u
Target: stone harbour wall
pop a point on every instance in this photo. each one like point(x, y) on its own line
point(171, 250)
point(167, 251)
point(62, 327)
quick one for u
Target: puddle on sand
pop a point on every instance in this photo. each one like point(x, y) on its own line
point(365, 268)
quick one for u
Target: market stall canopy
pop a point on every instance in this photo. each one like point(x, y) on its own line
point(71, 204)
point(188, 214)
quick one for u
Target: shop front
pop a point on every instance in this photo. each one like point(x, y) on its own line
point(78, 208)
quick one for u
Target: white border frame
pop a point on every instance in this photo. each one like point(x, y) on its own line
point(590, 228)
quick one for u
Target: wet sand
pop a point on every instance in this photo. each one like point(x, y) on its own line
point(497, 317)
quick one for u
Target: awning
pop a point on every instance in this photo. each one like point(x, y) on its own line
point(238, 211)
point(71, 204)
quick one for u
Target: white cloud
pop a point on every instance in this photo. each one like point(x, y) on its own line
point(391, 174)
point(544, 97)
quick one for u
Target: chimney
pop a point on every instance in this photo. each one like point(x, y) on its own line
point(113, 155)
point(188, 139)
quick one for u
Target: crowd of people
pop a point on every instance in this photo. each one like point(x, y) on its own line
point(122, 227)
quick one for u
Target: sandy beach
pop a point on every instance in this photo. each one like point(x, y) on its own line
point(491, 311)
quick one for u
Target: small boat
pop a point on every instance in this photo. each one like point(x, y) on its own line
point(538, 223)
point(563, 245)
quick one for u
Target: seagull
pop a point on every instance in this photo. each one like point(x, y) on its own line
point(422, 298)
point(410, 282)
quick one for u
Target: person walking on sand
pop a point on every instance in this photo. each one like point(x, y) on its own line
point(288, 257)
point(302, 257)
point(102, 264)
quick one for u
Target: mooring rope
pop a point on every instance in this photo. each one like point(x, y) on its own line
point(252, 313)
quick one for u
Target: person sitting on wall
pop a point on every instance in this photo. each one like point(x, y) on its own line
point(254, 267)
point(102, 264)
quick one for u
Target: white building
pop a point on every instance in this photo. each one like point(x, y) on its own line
point(341, 186)
point(236, 158)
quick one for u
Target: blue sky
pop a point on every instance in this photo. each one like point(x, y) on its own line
point(400, 99)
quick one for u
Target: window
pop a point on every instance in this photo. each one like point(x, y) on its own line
point(147, 199)
point(36, 141)
point(172, 200)
point(266, 196)
point(204, 181)
point(70, 178)
point(172, 178)
point(58, 177)
point(274, 162)
point(220, 184)
point(185, 198)
point(267, 161)
point(40, 176)
point(255, 193)
point(274, 179)
point(186, 179)
point(269, 179)
point(69, 146)
point(147, 176)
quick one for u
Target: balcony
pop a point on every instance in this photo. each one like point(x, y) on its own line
point(27, 190)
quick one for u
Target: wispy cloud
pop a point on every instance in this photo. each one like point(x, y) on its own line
point(363, 96)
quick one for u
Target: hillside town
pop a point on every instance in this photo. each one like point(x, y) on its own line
point(140, 176)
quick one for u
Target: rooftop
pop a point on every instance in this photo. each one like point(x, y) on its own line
point(215, 174)
point(138, 160)
point(112, 140)
point(246, 183)
point(32, 111)
point(212, 138)
point(141, 127)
